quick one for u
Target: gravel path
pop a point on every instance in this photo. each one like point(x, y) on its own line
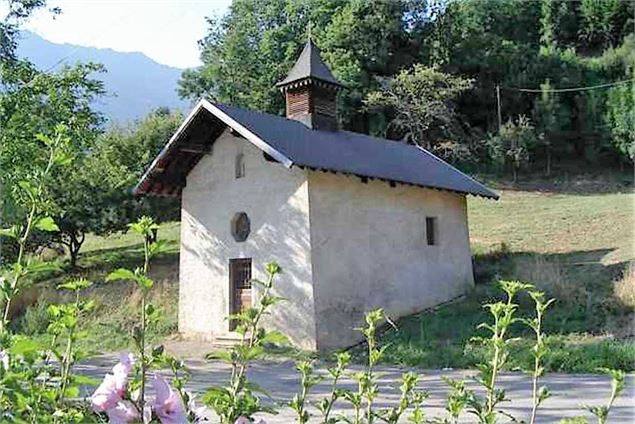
point(280, 379)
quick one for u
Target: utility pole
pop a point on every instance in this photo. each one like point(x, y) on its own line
point(498, 104)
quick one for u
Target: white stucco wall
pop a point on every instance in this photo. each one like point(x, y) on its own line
point(369, 250)
point(276, 200)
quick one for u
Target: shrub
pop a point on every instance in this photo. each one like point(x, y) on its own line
point(511, 147)
point(35, 320)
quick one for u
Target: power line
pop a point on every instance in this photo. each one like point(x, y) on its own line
point(565, 90)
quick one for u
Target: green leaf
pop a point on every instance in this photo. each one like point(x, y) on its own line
point(144, 282)
point(13, 232)
point(46, 224)
point(136, 276)
point(157, 247)
point(71, 392)
point(63, 159)
point(222, 355)
point(28, 188)
point(74, 285)
point(121, 274)
point(25, 347)
point(43, 138)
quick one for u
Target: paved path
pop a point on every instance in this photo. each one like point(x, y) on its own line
point(281, 380)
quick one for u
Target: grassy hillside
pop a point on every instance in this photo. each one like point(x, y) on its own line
point(116, 313)
point(575, 245)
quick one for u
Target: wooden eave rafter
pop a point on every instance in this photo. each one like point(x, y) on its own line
point(309, 81)
point(167, 174)
point(393, 183)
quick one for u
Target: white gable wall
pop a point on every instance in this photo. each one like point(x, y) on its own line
point(369, 250)
point(276, 201)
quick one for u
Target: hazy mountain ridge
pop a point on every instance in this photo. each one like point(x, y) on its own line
point(135, 84)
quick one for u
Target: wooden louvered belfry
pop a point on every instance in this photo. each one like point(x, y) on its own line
point(311, 91)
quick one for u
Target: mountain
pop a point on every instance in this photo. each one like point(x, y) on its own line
point(135, 84)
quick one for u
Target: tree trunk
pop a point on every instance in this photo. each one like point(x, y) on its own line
point(74, 253)
point(73, 240)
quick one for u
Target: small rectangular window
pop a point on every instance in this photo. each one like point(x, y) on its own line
point(240, 165)
point(431, 230)
point(239, 287)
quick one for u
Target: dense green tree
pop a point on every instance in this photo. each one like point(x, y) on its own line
point(421, 100)
point(602, 22)
point(365, 42)
point(550, 118)
point(523, 44)
point(255, 44)
point(507, 43)
point(35, 102)
point(620, 118)
point(97, 196)
point(246, 52)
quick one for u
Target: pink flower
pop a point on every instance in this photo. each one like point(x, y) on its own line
point(123, 413)
point(108, 394)
point(167, 403)
point(126, 362)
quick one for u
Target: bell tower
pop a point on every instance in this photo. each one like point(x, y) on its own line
point(310, 91)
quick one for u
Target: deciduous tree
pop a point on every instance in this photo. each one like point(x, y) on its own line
point(422, 100)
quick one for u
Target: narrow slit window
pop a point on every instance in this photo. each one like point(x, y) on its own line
point(431, 230)
point(240, 165)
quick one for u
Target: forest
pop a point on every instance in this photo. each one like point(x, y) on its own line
point(442, 62)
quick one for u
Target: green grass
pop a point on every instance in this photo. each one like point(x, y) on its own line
point(595, 226)
point(572, 244)
point(109, 326)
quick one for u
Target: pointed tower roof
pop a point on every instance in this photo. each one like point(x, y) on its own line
point(309, 65)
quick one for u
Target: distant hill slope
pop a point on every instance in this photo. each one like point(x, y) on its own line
point(135, 83)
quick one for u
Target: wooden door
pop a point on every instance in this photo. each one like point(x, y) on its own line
point(240, 287)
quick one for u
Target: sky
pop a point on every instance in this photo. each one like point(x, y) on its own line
point(164, 30)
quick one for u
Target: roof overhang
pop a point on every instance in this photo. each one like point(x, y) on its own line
point(167, 174)
point(486, 193)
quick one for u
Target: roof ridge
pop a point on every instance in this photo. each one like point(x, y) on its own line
point(309, 65)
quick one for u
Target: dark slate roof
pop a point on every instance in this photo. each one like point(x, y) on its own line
point(355, 153)
point(292, 143)
point(309, 65)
